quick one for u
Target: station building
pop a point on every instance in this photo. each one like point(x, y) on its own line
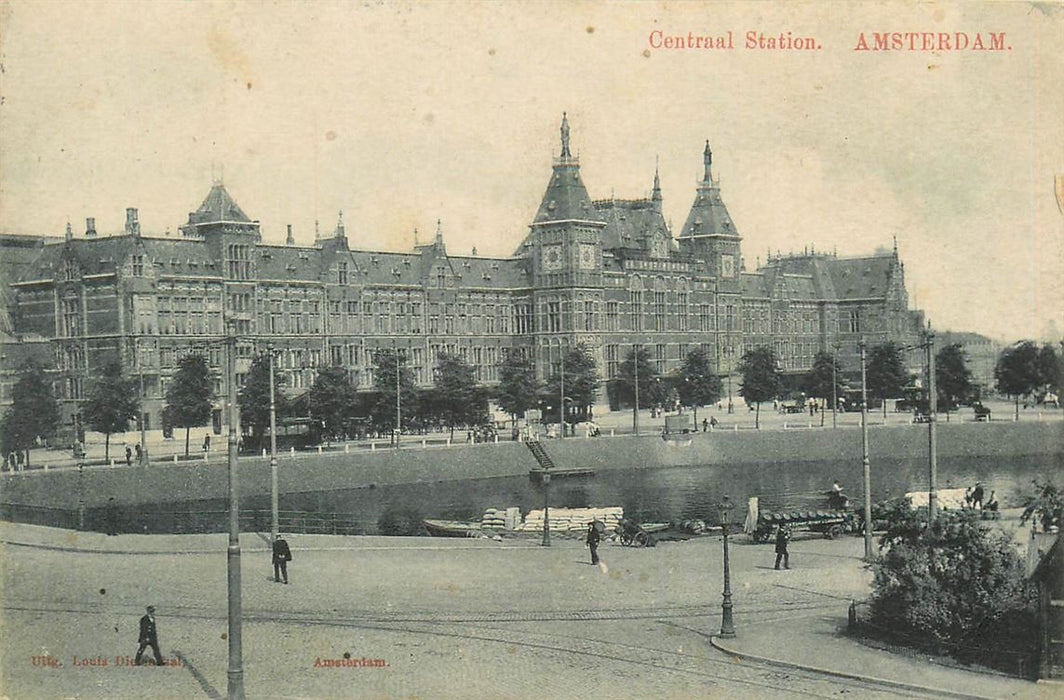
point(608, 274)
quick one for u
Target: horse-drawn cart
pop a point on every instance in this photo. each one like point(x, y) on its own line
point(828, 513)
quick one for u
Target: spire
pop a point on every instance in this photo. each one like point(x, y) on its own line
point(565, 137)
point(707, 159)
point(439, 233)
point(895, 247)
point(317, 231)
point(339, 233)
point(415, 237)
point(289, 239)
point(69, 232)
point(655, 197)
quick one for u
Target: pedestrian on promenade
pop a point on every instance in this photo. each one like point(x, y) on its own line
point(139, 452)
point(281, 556)
point(111, 516)
point(148, 637)
point(977, 495)
point(783, 536)
point(207, 442)
point(705, 425)
point(129, 455)
point(593, 542)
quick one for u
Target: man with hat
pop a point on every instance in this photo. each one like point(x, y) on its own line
point(148, 637)
point(281, 556)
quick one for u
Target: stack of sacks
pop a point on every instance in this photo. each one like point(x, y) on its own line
point(493, 519)
point(573, 519)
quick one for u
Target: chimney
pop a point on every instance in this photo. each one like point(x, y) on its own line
point(90, 227)
point(289, 240)
point(132, 222)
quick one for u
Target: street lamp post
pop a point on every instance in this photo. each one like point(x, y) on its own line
point(79, 454)
point(546, 508)
point(834, 387)
point(727, 626)
point(731, 406)
point(635, 368)
point(561, 391)
point(398, 401)
point(274, 497)
point(865, 468)
point(932, 398)
point(236, 663)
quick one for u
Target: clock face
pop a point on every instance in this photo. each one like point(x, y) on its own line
point(587, 256)
point(727, 266)
point(552, 257)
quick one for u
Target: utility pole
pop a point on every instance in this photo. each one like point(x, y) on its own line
point(398, 400)
point(865, 468)
point(834, 388)
point(635, 411)
point(274, 497)
point(561, 391)
point(236, 662)
point(932, 397)
point(140, 417)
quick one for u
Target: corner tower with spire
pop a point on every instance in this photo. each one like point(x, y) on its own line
point(709, 232)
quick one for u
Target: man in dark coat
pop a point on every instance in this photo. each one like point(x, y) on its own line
point(148, 637)
point(281, 556)
point(593, 542)
point(782, 537)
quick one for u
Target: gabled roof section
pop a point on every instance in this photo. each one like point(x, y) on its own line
point(218, 206)
point(630, 223)
point(708, 215)
point(862, 278)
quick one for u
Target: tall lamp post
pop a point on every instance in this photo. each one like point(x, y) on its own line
point(731, 406)
point(635, 368)
point(865, 468)
point(143, 461)
point(561, 390)
point(236, 663)
point(834, 387)
point(546, 508)
point(932, 398)
point(727, 626)
point(398, 401)
point(274, 497)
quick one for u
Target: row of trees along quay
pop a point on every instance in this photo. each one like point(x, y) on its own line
point(334, 409)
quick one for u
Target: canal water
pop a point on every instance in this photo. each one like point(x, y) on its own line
point(649, 494)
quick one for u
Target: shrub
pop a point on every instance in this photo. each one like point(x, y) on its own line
point(1047, 504)
point(951, 584)
point(399, 521)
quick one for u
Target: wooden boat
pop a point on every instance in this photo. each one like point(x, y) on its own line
point(452, 528)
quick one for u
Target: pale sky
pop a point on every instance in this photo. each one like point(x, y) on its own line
point(402, 113)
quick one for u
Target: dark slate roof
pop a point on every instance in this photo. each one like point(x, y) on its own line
point(218, 206)
point(708, 215)
point(276, 262)
point(566, 197)
point(629, 223)
point(862, 278)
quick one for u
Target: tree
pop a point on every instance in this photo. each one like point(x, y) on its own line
point(113, 401)
point(649, 385)
point(254, 398)
point(384, 381)
point(518, 387)
point(188, 400)
point(824, 380)
point(581, 381)
point(1047, 504)
point(696, 384)
point(761, 378)
point(885, 375)
point(33, 413)
point(1016, 372)
point(953, 379)
point(1049, 371)
point(331, 399)
point(460, 400)
point(950, 582)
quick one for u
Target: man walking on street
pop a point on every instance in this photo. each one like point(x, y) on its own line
point(783, 535)
point(281, 556)
point(593, 542)
point(148, 637)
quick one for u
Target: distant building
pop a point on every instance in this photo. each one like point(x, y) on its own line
point(608, 274)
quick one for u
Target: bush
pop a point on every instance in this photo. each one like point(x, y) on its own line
point(1047, 504)
point(955, 584)
point(400, 521)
